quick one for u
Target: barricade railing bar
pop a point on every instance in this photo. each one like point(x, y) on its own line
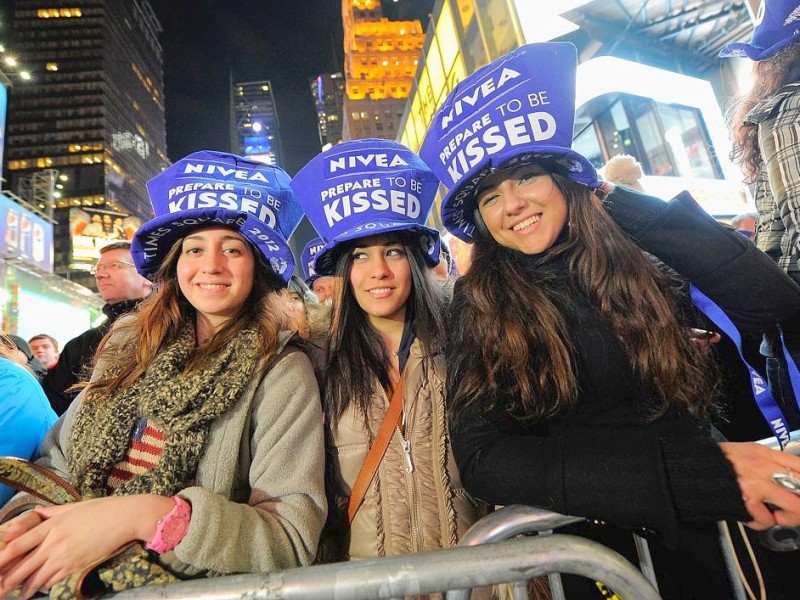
point(518, 560)
point(486, 556)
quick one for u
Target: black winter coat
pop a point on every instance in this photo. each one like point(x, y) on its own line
point(606, 460)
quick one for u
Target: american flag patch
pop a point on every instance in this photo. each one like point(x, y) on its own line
point(144, 452)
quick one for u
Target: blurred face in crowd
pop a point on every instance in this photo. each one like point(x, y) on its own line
point(380, 277)
point(523, 208)
point(45, 351)
point(747, 224)
point(216, 269)
point(323, 288)
point(297, 312)
point(117, 279)
point(441, 269)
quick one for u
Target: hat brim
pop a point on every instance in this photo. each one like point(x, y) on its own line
point(755, 53)
point(153, 240)
point(325, 263)
point(458, 207)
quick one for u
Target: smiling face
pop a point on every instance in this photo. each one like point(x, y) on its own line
point(523, 208)
point(215, 270)
point(380, 277)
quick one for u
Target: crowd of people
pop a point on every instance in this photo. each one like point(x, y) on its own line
point(238, 412)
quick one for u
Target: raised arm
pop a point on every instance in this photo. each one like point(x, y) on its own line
point(754, 292)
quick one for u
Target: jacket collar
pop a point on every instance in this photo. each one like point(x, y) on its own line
point(764, 109)
point(113, 311)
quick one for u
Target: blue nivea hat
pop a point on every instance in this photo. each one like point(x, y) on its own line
point(309, 256)
point(777, 25)
point(207, 189)
point(367, 187)
point(518, 109)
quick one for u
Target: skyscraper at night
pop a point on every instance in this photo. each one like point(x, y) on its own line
point(380, 62)
point(328, 92)
point(92, 116)
point(255, 131)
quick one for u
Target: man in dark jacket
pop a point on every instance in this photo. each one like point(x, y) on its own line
point(121, 288)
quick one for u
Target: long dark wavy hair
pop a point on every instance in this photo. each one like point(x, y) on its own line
point(358, 360)
point(514, 341)
point(158, 320)
point(780, 69)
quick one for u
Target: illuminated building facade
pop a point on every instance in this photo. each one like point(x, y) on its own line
point(328, 93)
point(93, 113)
point(255, 131)
point(380, 62)
point(670, 121)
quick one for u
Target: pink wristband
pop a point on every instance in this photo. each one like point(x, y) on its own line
point(172, 527)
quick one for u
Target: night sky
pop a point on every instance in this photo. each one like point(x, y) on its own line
point(284, 41)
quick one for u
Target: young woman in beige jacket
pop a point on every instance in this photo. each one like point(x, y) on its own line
point(368, 200)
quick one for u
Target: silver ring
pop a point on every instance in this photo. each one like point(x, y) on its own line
point(787, 481)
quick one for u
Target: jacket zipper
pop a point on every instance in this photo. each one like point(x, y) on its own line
point(416, 538)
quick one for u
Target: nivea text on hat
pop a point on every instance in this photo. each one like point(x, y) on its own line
point(379, 160)
point(377, 186)
point(509, 121)
point(309, 255)
point(249, 199)
point(522, 104)
point(220, 189)
point(364, 187)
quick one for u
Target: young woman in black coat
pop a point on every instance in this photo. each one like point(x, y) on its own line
point(572, 383)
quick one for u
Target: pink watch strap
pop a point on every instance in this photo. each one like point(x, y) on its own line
point(172, 527)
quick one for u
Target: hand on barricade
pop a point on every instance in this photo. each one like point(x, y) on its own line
point(759, 472)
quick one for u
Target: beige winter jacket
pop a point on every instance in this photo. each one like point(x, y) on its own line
point(258, 503)
point(404, 511)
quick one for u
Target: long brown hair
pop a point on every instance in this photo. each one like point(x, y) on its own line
point(780, 69)
point(159, 318)
point(514, 342)
point(357, 356)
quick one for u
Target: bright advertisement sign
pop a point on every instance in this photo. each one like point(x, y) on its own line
point(91, 229)
point(26, 235)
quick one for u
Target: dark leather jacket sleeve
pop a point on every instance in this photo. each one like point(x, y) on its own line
point(754, 292)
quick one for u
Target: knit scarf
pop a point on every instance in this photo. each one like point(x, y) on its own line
point(183, 405)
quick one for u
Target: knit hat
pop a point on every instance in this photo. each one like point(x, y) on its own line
point(367, 187)
point(516, 110)
point(208, 189)
point(308, 256)
point(21, 345)
point(777, 25)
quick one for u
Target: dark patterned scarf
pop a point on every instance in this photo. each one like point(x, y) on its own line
point(183, 405)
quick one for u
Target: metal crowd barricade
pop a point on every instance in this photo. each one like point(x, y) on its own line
point(474, 563)
point(514, 520)
point(517, 560)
